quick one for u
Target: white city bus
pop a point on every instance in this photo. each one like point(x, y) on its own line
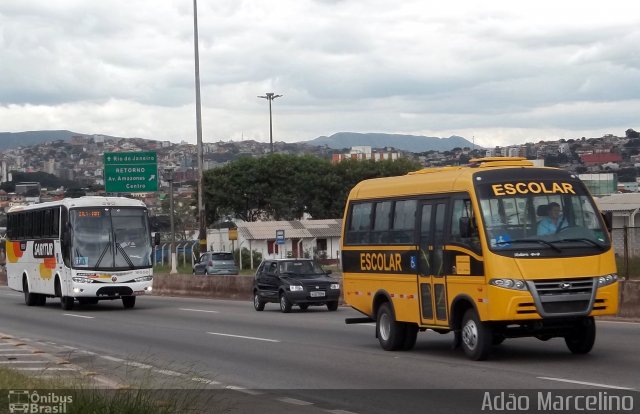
point(85, 249)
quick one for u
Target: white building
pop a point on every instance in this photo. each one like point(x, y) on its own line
point(304, 238)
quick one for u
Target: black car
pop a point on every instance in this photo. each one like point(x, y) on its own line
point(291, 282)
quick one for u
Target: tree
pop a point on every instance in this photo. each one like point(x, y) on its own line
point(285, 187)
point(630, 133)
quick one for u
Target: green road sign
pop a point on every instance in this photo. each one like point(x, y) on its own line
point(130, 172)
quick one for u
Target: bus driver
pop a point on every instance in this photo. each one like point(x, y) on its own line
point(552, 222)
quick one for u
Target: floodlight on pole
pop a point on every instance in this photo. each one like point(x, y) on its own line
point(270, 96)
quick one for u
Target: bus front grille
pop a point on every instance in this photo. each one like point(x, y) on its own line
point(565, 297)
point(114, 291)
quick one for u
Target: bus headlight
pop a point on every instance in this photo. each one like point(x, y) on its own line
point(335, 286)
point(607, 280)
point(296, 288)
point(514, 284)
point(143, 279)
point(80, 279)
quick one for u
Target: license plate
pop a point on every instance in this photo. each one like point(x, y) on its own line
point(317, 294)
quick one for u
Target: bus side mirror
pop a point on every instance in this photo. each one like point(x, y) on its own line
point(465, 225)
point(607, 216)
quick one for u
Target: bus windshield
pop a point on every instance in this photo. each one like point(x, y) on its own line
point(110, 238)
point(541, 215)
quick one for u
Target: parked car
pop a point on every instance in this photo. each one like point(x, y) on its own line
point(290, 282)
point(215, 263)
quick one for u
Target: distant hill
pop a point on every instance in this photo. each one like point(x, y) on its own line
point(412, 143)
point(24, 139)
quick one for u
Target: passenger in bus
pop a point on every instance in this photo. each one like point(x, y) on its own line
point(552, 221)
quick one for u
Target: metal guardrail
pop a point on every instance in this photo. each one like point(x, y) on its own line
point(185, 253)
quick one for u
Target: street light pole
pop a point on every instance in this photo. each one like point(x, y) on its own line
point(169, 177)
point(202, 233)
point(270, 96)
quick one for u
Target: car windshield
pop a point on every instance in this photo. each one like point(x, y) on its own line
point(300, 268)
point(541, 215)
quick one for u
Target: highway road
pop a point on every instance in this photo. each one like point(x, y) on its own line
point(313, 356)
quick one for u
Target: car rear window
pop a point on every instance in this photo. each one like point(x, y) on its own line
point(222, 256)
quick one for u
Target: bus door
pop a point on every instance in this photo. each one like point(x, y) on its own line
point(431, 280)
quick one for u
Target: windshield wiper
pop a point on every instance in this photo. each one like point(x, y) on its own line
point(540, 241)
point(104, 251)
point(584, 239)
point(125, 255)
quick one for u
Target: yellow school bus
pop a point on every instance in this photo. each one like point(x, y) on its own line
point(493, 250)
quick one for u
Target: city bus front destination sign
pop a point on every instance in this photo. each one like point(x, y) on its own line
point(130, 172)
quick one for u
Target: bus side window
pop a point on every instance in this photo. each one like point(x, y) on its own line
point(463, 224)
point(359, 223)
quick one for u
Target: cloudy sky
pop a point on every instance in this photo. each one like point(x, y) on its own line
point(504, 72)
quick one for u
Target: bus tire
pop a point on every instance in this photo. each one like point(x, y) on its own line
point(582, 338)
point(42, 300)
point(30, 299)
point(66, 302)
point(476, 336)
point(128, 302)
point(390, 333)
point(410, 336)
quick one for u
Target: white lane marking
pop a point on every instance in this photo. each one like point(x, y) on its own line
point(243, 390)
point(11, 294)
point(112, 359)
point(69, 347)
point(15, 355)
point(205, 381)
point(168, 372)
point(339, 412)
point(593, 384)
point(198, 310)
point(78, 316)
point(24, 362)
point(45, 369)
point(293, 401)
point(244, 337)
point(139, 365)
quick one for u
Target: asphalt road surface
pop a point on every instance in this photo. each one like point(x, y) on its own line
point(313, 357)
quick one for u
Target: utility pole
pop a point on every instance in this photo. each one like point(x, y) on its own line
point(202, 233)
point(169, 177)
point(270, 96)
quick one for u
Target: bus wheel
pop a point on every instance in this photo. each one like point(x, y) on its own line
point(476, 336)
point(42, 300)
point(410, 336)
point(390, 332)
point(30, 299)
point(582, 338)
point(66, 302)
point(128, 302)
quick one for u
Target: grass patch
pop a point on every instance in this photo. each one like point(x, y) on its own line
point(71, 396)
